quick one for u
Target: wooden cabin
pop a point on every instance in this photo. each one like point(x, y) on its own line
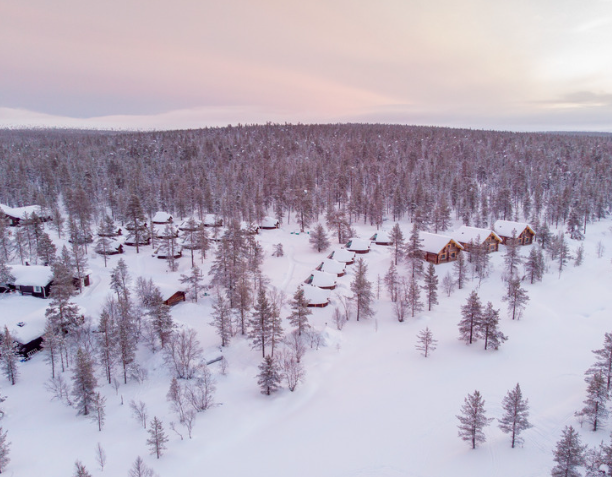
point(31, 347)
point(187, 227)
point(468, 236)
point(316, 297)
point(175, 299)
point(112, 250)
point(381, 238)
point(212, 220)
point(15, 215)
point(84, 281)
point(332, 266)
point(269, 223)
point(143, 240)
point(524, 234)
point(358, 245)
point(342, 256)
point(163, 252)
point(162, 218)
point(32, 280)
point(323, 280)
point(115, 233)
point(439, 248)
point(249, 228)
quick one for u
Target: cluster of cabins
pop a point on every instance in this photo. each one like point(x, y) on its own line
point(15, 215)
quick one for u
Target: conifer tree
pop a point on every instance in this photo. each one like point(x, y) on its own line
point(160, 316)
point(7, 355)
point(397, 237)
point(534, 266)
point(136, 221)
point(603, 364)
point(569, 454)
point(413, 297)
point(6, 275)
point(414, 254)
point(460, 268)
point(579, 256)
point(299, 312)
point(193, 281)
point(563, 253)
point(392, 282)
point(261, 322)
point(140, 469)
point(46, 249)
point(487, 328)
point(516, 297)
point(336, 220)
point(4, 450)
point(473, 419)
point(426, 342)
point(318, 238)
point(84, 382)
point(269, 377)
point(222, 317)
point(516, 415)
point(431, 286)
point(80, 470)
point(120, 280)
point(512, 257)
point(471, 314)
point(157, 437)
point(362, 291)
point(107, 343)
point(595, 410)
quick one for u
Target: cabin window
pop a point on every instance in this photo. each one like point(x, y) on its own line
point(492, 247)
point(37, 289)
point(527, 240)
point(443, 256)
point(453, 255)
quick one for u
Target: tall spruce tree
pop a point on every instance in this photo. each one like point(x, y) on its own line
point(512, 257)
point(431, 286)
point(222, 317)
point(413, 297)
point(534, 266)
point(269, 377)
point(4, 450)
point(136, 221)
point(595, 411)
point(157, 437)
point(516, 415)
point(299, 312)
point(473, 420)
point(7, 356)
point(487, 328)
point(460, 268)
point(361, 287)
point(516, 297)
point(84, 382)
point(414, 253)
point(569, 454)
point(318, 238)
point(471, 314)
point(261, 322)
point(426, 342)
point(603, 364)
point(397, 237)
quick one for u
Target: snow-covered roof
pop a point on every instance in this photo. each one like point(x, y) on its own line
point(505, 227)
point(24, 317)
point(162, 217)
point(212, 220)
point(269, 222)
point(19, 212)
point(323, 279)
point(332, 266)
point(357, 244)
point(434, 243)
point(315, 296)
point(33, 275)
point(248, 227)
point(382, 236)
point(342, 256)
point(467, 234)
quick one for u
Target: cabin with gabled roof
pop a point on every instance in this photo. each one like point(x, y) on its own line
point(381, 238)
point(524, 234)
point(468, 236)
point(269, 223)
point(32, 280)
point(15, 215)
point(332, 266)
point(342, 256)
point(326, 281)
point(358, 245)
point(439, 248)
point(162, 218)
point(316, 297)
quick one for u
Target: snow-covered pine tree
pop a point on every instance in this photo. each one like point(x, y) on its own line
point(603, 364)
point(318, 238)
point(193, 282)
point(579, 256)
point(412, 297)
point(512, 257)
point(487, 328)
point(157, 437)
point(413, 252)
point(269, 376)
point(362, 291)
point(516, 415)
point(336, 220)
point(595, 411)
point(80, 470)
point(569, 454)
point(516, 297)
point(7, 355)
point(136, 221)
point(261, 322)
point(534, 266)
point(46, 249)
point(460, 268)
point(471, 314)
point(392, 282)
point(84, 382)
point(426, 342)
point(6, 275)
point(397, 237)
point(473, 419)
point(120, 280)
point(140, 469)
point(222, 317)
point(6, 245)
point(299, 312)
point(563, 253)
point(4, 450)
point(479, 257)
point(107, 343)
point(431, 286)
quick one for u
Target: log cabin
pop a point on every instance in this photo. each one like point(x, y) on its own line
point(524, 234)
point(439, 248)
point(467, 236)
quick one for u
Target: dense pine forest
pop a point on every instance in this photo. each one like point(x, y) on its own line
point(425, 174)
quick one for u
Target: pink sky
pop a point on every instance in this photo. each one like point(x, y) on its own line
point(521, 65)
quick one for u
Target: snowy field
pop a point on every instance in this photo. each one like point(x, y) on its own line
point(371, 405)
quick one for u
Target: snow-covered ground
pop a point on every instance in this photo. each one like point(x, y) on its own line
point(371, 405)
